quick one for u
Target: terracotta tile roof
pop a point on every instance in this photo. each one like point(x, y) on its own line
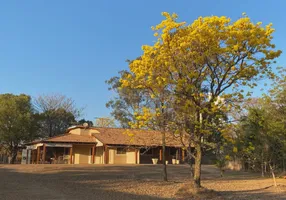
point(73, 138)
point(68, 138)
point(120, 136)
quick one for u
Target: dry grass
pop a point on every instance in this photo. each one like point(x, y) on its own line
point(129, 182)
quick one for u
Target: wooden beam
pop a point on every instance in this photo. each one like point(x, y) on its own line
point(27, 156)
point(38, 155)
point(32, 155)
point(136, 156)
point(106, 154)
point(160, 154)
point(44, 154)
point(71, 153)
point(93, 154)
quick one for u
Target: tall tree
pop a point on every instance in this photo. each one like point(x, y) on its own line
point(82, 121)
point(104, 122)
point(140, 108)
point(200, 63)
point(55, 114)
point(126, 101)
point(262, 137)
point(17, 124)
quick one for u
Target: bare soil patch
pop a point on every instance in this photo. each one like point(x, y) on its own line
point(129, 182)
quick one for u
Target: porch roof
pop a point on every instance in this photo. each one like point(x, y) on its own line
point(67, 138)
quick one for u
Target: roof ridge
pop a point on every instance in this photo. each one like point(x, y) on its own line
point(136, 129)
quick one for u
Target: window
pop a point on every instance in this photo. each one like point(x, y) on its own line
point(173, 152)
point(120, 150)
point(146, 151)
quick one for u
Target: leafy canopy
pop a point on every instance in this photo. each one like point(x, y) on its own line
point(200, 62)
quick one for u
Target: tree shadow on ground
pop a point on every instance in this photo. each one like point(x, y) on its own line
point(103, 181)
point(267, 193)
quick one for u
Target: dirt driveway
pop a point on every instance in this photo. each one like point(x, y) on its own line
point(101, 182)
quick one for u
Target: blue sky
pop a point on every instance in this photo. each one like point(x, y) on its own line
point(71, 47)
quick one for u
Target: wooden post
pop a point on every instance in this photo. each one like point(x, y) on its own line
point(160, 154)
point(183, 155)
point(38, 155)
point(27, 156)
point(93, 154)
point(32, 155)
point(71, 152)
point(44, 154)
point(136, 156)
point(106, 154)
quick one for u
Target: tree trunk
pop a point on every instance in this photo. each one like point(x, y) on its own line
point(13, 158)
point(221, 172)
point(262, 169)
point(164, 156)
point(198, 165)
point(273, 175)
point(189, 154)
point(262, 165)
point(265, 167)
point(283, 163)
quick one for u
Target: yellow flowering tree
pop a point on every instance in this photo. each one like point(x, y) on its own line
point(202, 68)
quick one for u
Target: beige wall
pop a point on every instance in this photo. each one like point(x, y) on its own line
point(75, 131)
point(128, 158)
point(99, 156)
point(120, 159)
point(130, 154)
point(111, 152)
point(82, 131)
point(99, 144)
point(81, 154)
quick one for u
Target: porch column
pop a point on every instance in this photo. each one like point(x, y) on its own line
point(44, 154)
point(27, 156)
point(183, 155)
point(38, 155)
point(160, 154)
point(32, 155)
point(106, 154)
point(71, 152)
point(136, 156)
point(93, 153)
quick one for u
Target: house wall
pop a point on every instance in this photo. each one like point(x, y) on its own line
point(99, 144)
point(128, 158)
point(81, 131)
point(75, 131)
point(120, 159)
point(111, 154)
point(99, 158)
point(81, 154)
point(130, 155)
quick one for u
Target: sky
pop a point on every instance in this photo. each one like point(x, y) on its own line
point(71, 47)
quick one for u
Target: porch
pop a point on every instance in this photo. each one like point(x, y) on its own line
point(61, 153)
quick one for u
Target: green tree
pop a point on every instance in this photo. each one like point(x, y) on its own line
point(126, 102)
point(82, 121)
point(141, 109)
point(262, 140)
point(17, 123)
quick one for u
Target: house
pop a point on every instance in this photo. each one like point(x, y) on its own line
point(91, 145)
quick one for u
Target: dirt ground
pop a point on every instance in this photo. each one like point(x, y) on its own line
point(72, 182)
